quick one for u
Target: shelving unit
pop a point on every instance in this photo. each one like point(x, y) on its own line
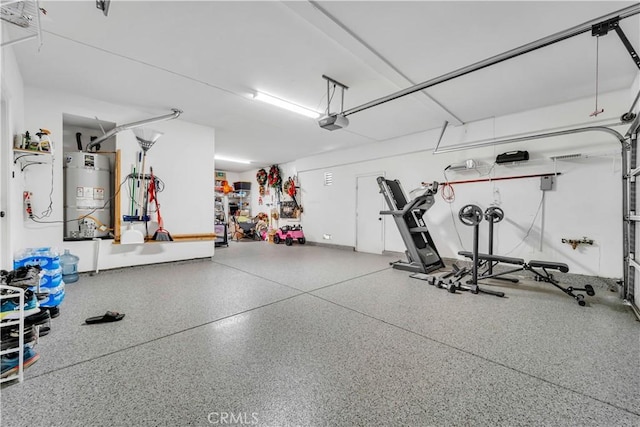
point(242, 196)
point(244, 200)
point(221, 208)
point(222, 219)
point(221, 201)
point(11, 322)
point(234, 204)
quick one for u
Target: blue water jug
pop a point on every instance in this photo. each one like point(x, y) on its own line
point(69, 264)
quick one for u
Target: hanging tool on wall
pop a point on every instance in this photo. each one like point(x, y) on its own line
point(146, 138)
point(160, 234)
point(138, 178)
point(132, 189)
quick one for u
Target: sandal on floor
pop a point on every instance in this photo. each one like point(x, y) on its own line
point(109, 316)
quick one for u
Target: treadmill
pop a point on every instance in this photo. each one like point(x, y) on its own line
point(422, 255)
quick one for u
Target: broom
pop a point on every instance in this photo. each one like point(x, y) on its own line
point(161, 234)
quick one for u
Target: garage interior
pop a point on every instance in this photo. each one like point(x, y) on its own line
point(388, 311)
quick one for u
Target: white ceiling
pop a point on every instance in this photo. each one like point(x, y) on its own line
point(208, 57)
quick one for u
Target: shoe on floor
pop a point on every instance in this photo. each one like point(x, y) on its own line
point(10, 332)
point(10, 308)
point(54, 311)
point(41, 318)
point(14, 333)
point(43, 330)
point(24, 277)
point(14, 342)
point(109, 316)
point(10, 364)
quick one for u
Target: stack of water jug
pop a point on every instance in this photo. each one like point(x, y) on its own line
point(56, 271)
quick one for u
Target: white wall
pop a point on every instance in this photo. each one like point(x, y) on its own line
point(13, 94)
point(233, 177)
point(585, 201)
point(182, 158)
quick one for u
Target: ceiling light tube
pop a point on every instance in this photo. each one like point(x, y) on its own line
point(286, 105)
point(231, 159)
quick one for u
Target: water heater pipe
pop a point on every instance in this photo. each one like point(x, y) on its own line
point(174, 115)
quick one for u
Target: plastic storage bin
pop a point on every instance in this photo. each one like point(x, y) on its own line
point(241, 185)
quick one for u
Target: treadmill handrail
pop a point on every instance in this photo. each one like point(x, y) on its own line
point(408, 207)
point(394, 213)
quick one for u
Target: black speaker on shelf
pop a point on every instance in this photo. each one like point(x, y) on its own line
point(512, 156)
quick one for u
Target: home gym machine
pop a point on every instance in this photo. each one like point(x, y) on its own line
point(422, 255)
point(472, 215)
point(455, 280)
point(492, 215)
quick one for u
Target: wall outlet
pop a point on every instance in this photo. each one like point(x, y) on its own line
point(546, 183)
point(326, 236)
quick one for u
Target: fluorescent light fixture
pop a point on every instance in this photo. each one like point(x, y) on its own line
point(286, 105)
point(231, 159)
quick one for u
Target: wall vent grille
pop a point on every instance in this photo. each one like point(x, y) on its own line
point(328, 178)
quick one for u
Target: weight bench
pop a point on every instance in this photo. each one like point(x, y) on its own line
point(493, 258)
point(538, 268)
point(488, 261)
point(545, 276)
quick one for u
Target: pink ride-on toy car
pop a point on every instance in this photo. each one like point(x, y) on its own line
point(288, 234)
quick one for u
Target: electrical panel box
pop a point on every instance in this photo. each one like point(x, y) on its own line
point(546, 183)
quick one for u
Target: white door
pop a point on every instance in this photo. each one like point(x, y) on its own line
point(369, 223)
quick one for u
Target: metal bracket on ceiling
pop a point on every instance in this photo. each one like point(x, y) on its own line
point(336, 120)
point(335, 83)
point(103, 5)
point(603, 28)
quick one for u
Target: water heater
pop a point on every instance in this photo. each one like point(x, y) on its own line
point(87, 195)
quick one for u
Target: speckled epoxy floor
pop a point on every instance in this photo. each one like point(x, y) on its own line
point(312, 336)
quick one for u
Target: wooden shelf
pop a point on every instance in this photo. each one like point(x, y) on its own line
point(179, 238)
